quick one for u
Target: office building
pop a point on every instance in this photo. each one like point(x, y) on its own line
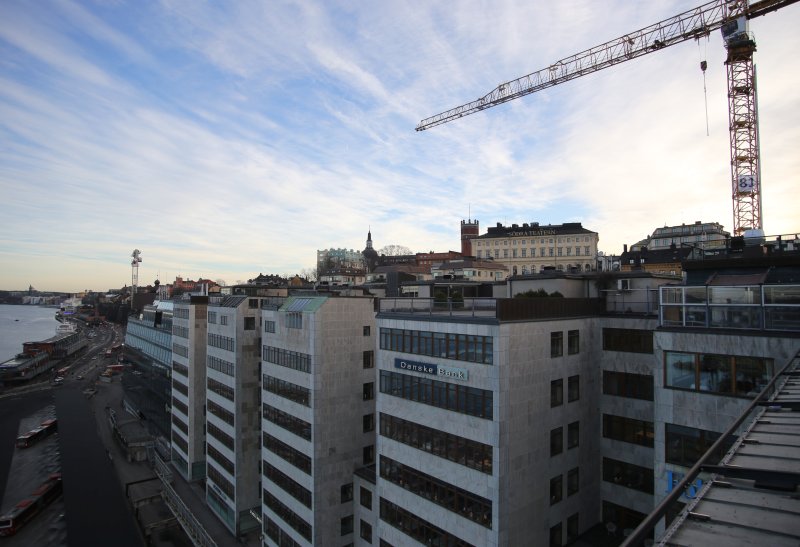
point(189, 342)
point(318, 427)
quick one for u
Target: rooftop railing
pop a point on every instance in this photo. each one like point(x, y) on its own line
point(501, 309)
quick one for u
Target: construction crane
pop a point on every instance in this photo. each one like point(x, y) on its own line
point(729, 16)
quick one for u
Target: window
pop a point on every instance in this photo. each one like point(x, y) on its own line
point(366, 330)
point(366, 498)
point(572, 528)
point(252, 303)
point(628, 475)
point(368, 423)
point(626, 384)
point(573, 388)
point(366, 532)
point(369, 454)
point(269, 326)
point(249, 323)
point(369, 391)
point(294, 320)
point(223, 319)
point(346, 525)
point(573, 434)
point(556, 393)
point(556, 344)
point(573, 481)
point(556, 441)
point(628, 430)
point(629, 340)
point(722, 374)
point(212, 317)
point(555, 535)
point(556, 487)
point(369, 358)
point(346, 492)
point(684, 445)
point(573, 342)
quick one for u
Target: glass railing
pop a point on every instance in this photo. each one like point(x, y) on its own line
point(749, 307)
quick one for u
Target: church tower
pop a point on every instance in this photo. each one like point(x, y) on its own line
point(469, 230)
point(370, 255)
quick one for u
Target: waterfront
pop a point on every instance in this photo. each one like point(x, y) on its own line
point(20, 324)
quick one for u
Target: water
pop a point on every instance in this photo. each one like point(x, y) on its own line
point(20, 324)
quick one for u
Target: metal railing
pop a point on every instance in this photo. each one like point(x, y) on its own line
point(196, 532)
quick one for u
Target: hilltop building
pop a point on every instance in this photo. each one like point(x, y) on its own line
point(702, 235)
point(532, 248)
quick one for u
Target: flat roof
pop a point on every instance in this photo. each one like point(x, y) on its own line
point(752, 497)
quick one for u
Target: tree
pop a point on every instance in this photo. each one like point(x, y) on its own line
point(220, 282)
point(394, 250)
point(309, 274)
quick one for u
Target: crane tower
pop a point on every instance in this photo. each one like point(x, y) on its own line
point(729, 16)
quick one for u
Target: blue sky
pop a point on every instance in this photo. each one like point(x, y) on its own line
point(224, 139)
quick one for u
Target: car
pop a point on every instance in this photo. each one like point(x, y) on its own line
point(95, 357)
point(79, 377)
point(58, 381)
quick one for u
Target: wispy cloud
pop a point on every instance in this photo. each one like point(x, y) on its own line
point(229, 139)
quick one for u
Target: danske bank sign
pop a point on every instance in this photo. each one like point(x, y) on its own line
point(453, 373)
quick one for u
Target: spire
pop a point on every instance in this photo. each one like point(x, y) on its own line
point(369, 238)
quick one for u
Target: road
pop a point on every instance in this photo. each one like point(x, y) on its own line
point(97, 511)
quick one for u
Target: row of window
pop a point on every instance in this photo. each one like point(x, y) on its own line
point(225, 439)
point(276, 534)
point(180, 313)
point(183, 370)
point(177, 403)
point(287, 390)
point(180, 387)
point(418, 528)
point(180, 349)
point(723, 374)
point(286, 358)
point(455, 397)
point(628, 340)
point(557, 438)
point(462, 502)
point(629, 475)
point(221, 389)
point(543, 251)
point(287, 515)
point(287, 484)
point(180, 331)
point(219, 458)
point(220, 365)
point(557, 390)
point(626, 384)
point(180, 424)
point(286, 452)
point(217, 478)
point(542, 241)
point(290, 423)
point(557, 485)
point(457, 449)
point(222, 413)
point(685, 445)
point(222, 342)
point(181, 443)
point(629, 430)
point(463, 347)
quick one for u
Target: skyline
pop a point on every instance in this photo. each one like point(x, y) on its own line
point(229, 141)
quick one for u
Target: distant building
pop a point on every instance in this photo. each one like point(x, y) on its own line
point(703, 235)
point(469, 230)
point(470, 269)
point(666, 261)
point(532, 248)
point(332, 259)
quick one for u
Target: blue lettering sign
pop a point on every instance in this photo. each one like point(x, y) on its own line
point(673, 479)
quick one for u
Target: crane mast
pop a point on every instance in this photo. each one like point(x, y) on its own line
point(728, 15)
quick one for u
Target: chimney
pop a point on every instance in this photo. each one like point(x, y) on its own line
point(624, 247)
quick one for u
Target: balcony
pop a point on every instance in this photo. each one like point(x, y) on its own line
point(744, 307)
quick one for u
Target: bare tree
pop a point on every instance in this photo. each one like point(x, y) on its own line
point(309, 274)
point(220, 282)
point(394, 250)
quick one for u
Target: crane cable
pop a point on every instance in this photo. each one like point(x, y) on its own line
point(703, 66)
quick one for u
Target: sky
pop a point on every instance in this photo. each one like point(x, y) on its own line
point(228, 139)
